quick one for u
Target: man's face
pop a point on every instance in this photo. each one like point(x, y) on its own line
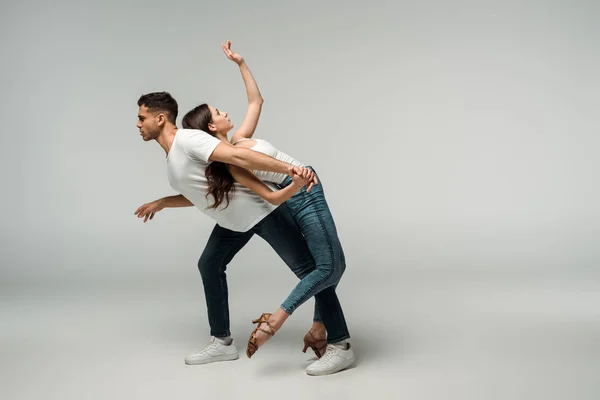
point(148, 124)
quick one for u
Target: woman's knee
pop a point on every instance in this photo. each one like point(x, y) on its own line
point(333, 273)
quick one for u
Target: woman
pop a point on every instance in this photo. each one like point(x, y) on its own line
point(307, 205)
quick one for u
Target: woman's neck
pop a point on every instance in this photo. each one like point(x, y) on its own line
point(222, 137)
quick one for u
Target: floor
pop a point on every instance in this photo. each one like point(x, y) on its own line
point(417, 335)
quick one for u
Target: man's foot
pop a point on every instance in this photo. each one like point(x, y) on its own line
point(215, 351)
point(336, 358)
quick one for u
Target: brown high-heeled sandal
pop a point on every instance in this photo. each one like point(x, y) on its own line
point(252, 346)
point(317, 345)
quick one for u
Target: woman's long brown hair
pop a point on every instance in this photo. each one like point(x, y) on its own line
point(220, 181)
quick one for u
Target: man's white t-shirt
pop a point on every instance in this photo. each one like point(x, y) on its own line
point(186, 163)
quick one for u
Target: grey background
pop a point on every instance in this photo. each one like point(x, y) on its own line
point(457, 145)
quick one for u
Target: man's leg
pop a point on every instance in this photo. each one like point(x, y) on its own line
point(223, 244)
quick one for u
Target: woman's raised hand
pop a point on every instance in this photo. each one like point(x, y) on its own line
point(235, 57)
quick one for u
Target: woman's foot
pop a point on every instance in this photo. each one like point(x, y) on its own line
point(268, 324)
point(316, 339)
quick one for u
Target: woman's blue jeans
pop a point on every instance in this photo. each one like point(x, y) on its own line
point(311, 213)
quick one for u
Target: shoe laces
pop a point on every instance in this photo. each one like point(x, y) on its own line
point(213, 344)
point(330, 352)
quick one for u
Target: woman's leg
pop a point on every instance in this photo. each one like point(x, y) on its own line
point(283, 234)
point(311, 213)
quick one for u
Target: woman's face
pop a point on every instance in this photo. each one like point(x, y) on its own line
point(220, 121)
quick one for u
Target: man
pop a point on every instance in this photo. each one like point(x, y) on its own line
point(189, 153)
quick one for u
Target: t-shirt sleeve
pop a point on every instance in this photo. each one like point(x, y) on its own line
point(200, 145)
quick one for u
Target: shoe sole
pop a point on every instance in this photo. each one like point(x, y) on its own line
point(329, 372)
point(227, 357)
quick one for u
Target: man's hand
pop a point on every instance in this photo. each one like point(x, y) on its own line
point(300, 180)
point(304, 173)
point(148, 210)
point(236, 58)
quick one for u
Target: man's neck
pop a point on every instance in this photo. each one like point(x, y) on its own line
point(165, 139)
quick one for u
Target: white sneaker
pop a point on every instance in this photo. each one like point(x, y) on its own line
point(334, 360)
point(215, 351)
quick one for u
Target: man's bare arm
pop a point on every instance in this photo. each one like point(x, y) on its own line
point(249, 159)
point(254, 160)
point(148, 210)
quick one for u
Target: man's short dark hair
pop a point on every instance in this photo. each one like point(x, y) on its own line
point(161, 102)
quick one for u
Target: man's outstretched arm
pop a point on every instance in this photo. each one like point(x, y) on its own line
point(148, 210)
point(253, 160)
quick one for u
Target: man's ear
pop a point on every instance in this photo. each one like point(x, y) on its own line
point(162, 120)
